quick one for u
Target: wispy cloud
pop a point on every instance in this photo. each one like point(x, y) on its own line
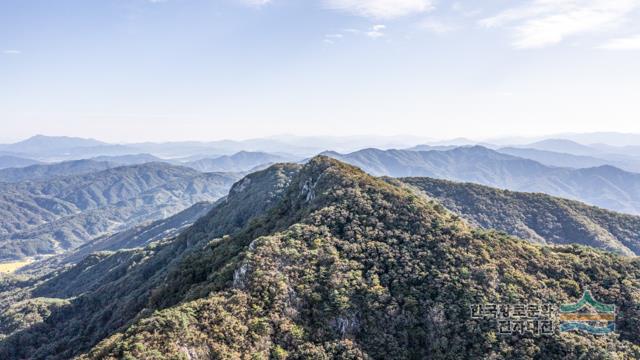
point(332, 38)
point(541, 23)
point(254, 3)
point(626, 43)
point(465, 10)
point(436, 26)
point(12, 52)
point(376, 31)
point(381, 9)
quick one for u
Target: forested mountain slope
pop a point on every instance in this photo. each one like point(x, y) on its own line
point(135, 237)
point(323, 262)
point(606, 186)
point(536, 217)
point(46, 217)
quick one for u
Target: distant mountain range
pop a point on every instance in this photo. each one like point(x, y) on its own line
point(47, 217)
point(612, 138)
point(42, 144)
point(563, 146)
point(559, 159)
point(561, 153)
point(60, 148)
point(238, 162)
point(10, 161)
point(560, 167)
point(607, 146)
point(130, 159)
point(51, 171)
point(606, 186)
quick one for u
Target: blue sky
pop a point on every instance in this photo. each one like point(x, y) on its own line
point(133, 70)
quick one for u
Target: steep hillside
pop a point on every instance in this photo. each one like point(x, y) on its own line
point(536, 217)
point(324, 262)
point(47, 217)
point(604, 186)
point(135, 237)
point(52, 171)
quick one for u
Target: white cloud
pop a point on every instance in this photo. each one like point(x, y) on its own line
point(331, 39)
point(12, 52)
point(436, 26)
point(381, 9)
point(627, 43)
point(542, 23)
point(376, 31)
point(255, 3)
point(464, 10)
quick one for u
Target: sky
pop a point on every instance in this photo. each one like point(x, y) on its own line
point(159, 70)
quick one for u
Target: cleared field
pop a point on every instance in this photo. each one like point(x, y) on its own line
point(6, 268)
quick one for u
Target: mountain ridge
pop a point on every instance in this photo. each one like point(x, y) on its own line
point(332, 264)
point(11, 161)
point(605, 187)
point(536, 217)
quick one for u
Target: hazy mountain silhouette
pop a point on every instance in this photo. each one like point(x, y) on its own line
point(573, 161)
point(10, 161)
point(51, 171)
point(238, 162)
point(603, 186)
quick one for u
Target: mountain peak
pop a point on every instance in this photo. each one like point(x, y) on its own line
point(563, 146)
point(43, 144)
point(323, 168)
point(321, 163)
point(39, 138)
